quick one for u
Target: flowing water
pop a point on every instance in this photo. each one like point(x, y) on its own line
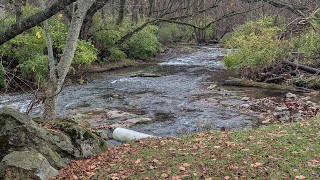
point(178, 100)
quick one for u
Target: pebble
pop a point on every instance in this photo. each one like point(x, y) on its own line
point(281, 108)
point(245, 99)
point(246, 106)
point(291, 95)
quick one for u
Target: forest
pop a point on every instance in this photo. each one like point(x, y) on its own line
point(159, 89)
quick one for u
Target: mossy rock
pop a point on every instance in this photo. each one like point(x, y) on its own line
point(88, 141)
point(26, 165)
point(59, 143)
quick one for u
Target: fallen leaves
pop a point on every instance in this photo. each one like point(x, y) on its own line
point(138, 161)
point(300, 177)
point(257, 165)
point(217, 155)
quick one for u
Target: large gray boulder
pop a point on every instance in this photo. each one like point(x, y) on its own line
point(58, 141)
point(26, 165)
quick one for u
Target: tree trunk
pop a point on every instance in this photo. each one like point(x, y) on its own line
point(87, 22)
point(151, 8)
point(60, 70)
point(135, 11)
point(18, 9)
point(50, 100)
point(50, 104)
point(121, 12)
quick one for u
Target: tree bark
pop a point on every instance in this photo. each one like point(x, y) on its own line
point(59, 71)
point(135, 11)
point(33, 20)
point(121, 12)
point(50, 100)
point(87, 22)
point(18, 9)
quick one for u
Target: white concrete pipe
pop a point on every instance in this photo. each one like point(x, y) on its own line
point(125, 135)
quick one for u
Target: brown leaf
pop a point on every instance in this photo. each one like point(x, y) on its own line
point(300, 177)
point(186, 165)
point(138, 161)
point(257, 165)
point(182, 168)
point(164, 175)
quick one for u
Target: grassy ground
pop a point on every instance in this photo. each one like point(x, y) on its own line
point(290, 151)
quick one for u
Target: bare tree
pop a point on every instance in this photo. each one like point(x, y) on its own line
point(58, 71)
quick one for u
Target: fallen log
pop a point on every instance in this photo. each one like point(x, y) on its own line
point(308, 69)
point(270, 86)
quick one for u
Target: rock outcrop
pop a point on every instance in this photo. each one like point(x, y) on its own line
point(57, 142)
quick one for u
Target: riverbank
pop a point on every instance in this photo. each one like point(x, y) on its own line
point(281, 151)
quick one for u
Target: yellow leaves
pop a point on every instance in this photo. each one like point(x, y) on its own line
point(38, 35)
point(60, 15)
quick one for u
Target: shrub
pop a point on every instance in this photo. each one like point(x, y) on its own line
point(86, 53)
point(28, 50)
point(312, 82)
point(255, 46)
point(144, 44)
point(116, 54)
point(35, 68)
point(309, 44)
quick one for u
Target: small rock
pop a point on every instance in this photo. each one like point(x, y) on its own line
point(291, 95)
point(281, 109)
point(310, 103)
point(284, 118)
point(266, 121)
point(212, 86)
point(298, 117)
point(245, 99)
point(246, 106)
point(307, 98)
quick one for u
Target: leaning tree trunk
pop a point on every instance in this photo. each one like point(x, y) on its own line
point(61, 69)
point(87, 22)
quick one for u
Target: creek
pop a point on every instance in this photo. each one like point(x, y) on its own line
point(177, 100)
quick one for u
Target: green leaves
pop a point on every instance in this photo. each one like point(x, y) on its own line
point(255, 45)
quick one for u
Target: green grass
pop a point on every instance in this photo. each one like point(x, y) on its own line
point(287, 151)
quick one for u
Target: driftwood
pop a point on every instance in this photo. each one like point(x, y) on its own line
point(308, 69)
point(247, 83)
